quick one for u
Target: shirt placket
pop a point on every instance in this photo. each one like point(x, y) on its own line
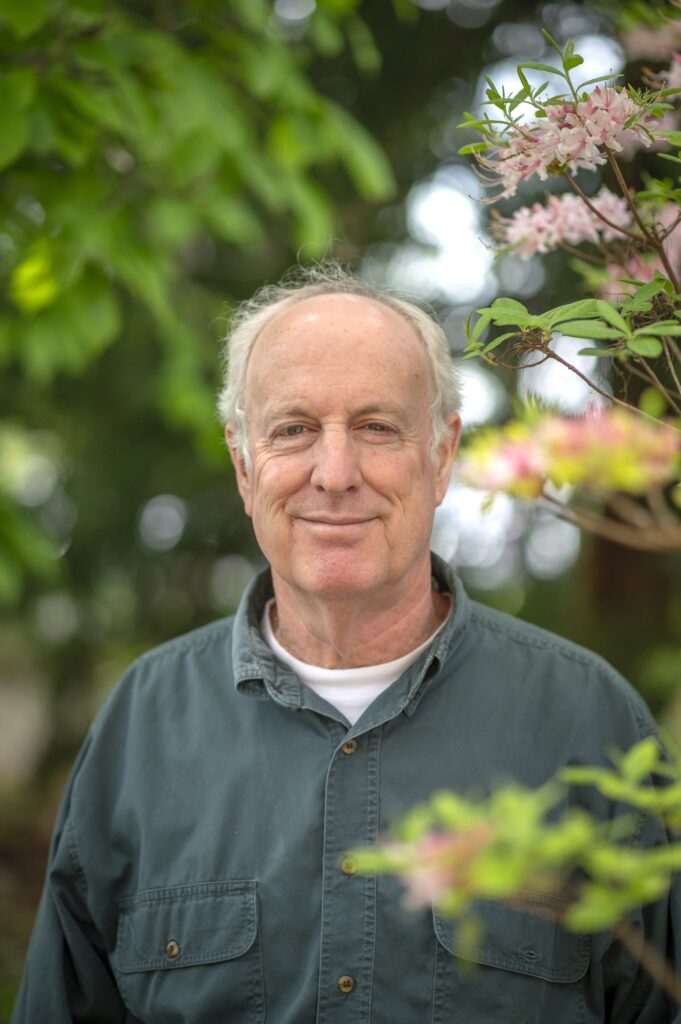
point(348, 899)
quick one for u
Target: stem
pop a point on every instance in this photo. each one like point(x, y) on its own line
point(660, 509)
point(648, 379)
point(629, 510)
point(660, 386)
point(650, 236)
point(611, 224)
point(587, 380)
point(582, 255)
point(670, 363)
point(629, 536)
point(644, 953)
point(667, 231)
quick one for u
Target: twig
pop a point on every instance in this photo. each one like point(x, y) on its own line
point(658, 539)
point(644, 953)
point(670, 363)
point(650, 236)
point(611, 224)
point(573, 251)
point(631, 511)
point(660, 509)
point(660, 386)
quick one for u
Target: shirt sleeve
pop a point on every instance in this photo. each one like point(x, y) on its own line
point(67, 977)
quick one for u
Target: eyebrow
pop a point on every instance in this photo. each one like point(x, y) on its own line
point(371, 408)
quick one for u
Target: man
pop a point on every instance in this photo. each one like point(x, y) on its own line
point(198, 870)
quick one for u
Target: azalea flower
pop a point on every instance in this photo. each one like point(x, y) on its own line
point(672, 77)
point(604, 450)
point(566, 218)
point(572, 136)
point(438, 863)
point(643, 267)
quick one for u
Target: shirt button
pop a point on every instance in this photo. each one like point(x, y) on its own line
point(348, 865)
point(345, 984)
point(349, 747)
point(172, 949)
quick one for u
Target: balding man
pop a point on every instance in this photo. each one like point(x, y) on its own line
point(198, 871)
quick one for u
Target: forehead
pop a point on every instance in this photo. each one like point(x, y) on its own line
point(345, 336)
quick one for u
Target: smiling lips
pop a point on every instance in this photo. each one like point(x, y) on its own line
point(333, 522)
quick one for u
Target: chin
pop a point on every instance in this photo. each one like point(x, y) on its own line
point(337, 576)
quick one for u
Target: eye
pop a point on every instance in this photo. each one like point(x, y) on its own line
point(379, 428)
point(291, 430)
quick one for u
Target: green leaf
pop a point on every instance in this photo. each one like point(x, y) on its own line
point(481, 323)
point(594, 81)
point(640, 760)
point(497, 341)
point(13, 125)
point(600, 352)
point(473, 147)
point(509, 306)
point(583, 307)
point(536, 66)
point(672, 137)
point(609, 313)
point(23, 16)
point(364, 49)
point(652, 402)
point(645, 346)
point(671, 328)
point(573, 62)
point(364, 160)
point(668, 156)
point(593, 329)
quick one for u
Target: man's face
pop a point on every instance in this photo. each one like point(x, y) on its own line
point(342, 487)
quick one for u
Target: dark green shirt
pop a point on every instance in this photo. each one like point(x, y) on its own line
point(196, 871)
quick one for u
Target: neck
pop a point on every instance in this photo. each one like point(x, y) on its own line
point(366, 630)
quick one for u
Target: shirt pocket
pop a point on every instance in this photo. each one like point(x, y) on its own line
point(191, 953)
point(527, 969)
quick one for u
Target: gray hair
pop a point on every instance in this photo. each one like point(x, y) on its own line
point(327, 278)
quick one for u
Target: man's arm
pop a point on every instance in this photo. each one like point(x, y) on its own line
point(67, 976)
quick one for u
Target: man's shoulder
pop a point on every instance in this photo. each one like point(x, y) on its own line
point(200, 642)
point(198, 661)
point(508, 630)
point(537, 657)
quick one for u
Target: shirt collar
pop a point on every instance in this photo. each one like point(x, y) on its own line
point(257, 671)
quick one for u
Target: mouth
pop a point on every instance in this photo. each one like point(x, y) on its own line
point(338, 522)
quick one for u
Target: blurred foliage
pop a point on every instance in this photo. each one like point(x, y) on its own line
point(131, 142)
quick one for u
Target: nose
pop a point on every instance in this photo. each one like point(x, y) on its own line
point(336, 462)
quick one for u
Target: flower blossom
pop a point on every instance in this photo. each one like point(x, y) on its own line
point(439, 862)
point(647, 41)
point(572, 136)
point(644, 266)
point(672, 76)
point(566, 218)
point(604, 450)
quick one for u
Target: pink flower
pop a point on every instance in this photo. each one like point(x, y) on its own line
point(658, 43)
point(672, 77)
point(439, 862)
point(572, 136)
point(642, 267)
point(563, 219)
point(610, 449)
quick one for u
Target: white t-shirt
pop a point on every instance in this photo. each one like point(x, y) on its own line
point(350, 690)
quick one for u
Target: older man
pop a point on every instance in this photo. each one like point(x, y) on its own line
point(199, 870)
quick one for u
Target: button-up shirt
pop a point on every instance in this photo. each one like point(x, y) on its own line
point(199, 869)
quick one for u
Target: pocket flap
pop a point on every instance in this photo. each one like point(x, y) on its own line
point(520, 941)
point(164, 929)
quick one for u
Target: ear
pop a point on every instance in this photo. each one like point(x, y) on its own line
point(446, 453)
point(243, 475)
